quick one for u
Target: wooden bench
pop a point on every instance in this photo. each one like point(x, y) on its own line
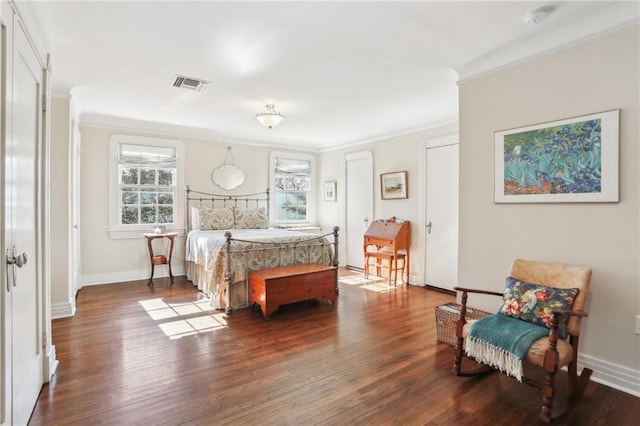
point(270, 288)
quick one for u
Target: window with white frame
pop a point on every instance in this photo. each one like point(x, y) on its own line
point(145, 181)
point(292, 195)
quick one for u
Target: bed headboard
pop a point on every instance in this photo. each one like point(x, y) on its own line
point(206, 199)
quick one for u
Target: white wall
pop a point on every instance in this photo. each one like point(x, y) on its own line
point(389, 155)
point(62, 299)
point(105, 260)
point(598, 75)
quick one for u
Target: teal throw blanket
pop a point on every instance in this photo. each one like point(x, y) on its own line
point(502, 342)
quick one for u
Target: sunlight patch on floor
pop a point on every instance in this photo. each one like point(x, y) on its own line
point(187, 321)
point(379, 285)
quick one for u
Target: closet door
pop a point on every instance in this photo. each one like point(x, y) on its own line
point(441, 264)
point(359, 204)
point(23, 366)
point(75, 210)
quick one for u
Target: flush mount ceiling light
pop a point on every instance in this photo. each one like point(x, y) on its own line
point(270, 117)
point(539, 15)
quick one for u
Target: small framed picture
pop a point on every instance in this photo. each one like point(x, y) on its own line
point(393, 185)
point(330, 191)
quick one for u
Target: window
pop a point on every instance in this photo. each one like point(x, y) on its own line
point(145, 185)
point(293, 184)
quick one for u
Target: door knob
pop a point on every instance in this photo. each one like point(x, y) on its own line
point(19, 260)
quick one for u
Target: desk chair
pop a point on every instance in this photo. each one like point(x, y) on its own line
point(394, 264)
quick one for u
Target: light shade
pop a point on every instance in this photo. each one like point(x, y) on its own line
point(270, 117)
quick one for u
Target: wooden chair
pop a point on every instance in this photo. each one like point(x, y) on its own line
point(394, 264)
point(550, 352)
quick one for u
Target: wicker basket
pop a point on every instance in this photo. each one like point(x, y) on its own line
point(446, 318)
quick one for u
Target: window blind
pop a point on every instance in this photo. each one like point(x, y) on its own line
point(290, 167)
point(147, 156)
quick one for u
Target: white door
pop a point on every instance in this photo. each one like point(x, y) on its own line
point(23, 229)
point(359, 205)
point(441, 263)
point(75, 209)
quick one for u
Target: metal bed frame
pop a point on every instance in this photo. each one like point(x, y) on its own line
point(256, 200)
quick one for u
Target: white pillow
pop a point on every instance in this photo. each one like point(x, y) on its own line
point(195, 217)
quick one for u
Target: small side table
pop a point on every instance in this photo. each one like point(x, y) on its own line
point(160, 259)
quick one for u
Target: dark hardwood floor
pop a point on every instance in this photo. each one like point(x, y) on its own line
point(134, 355)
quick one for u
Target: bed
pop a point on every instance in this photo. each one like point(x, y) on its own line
point(229, 236)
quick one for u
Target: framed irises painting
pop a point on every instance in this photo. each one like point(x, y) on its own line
point(570, 160)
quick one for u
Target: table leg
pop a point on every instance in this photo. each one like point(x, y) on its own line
point(169, 260)
point(150, 261)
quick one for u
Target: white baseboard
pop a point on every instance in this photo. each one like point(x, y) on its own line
point(63, 310)
point(51, 363)
point(615, 376)
point(134, 275)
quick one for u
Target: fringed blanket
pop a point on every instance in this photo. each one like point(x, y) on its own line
point(503, 342)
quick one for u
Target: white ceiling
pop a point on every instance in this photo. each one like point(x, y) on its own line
point(341, 72)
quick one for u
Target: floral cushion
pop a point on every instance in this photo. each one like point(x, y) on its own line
point(534, 302)
point(210, 219)
point(251, 218)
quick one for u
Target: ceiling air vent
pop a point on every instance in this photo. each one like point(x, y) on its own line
point(190, 83)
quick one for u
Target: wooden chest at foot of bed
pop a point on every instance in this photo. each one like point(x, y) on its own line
point(271, 288)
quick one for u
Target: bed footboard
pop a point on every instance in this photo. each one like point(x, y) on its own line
point(313, 250)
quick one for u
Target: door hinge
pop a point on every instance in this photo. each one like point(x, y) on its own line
point(44, 339)
point(44, 103)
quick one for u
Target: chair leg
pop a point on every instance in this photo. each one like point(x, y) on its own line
point(481, 370)
point(548, 388)
point(393, 267)
point(378, 266)
point(401, 269)
point(577, 386)
point(550, 367)
point(578, 383)
point(457, 360)
point(366, 266)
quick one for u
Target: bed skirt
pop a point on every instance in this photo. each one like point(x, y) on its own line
point(203, 279)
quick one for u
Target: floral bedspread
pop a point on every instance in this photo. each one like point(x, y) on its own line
point(253, 249)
